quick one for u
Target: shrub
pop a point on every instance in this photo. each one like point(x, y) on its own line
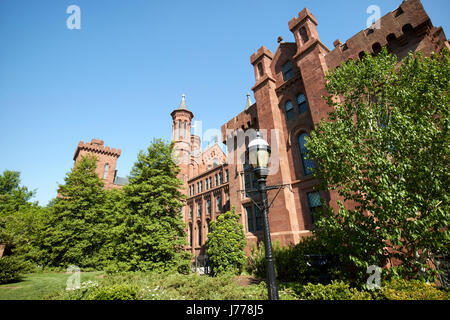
point(115, 292)
point(397, 289)
point(337, 290)
point(225, 244)
point(11, 268)
point(291, 263)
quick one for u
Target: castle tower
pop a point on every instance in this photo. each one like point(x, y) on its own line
point(181, 136)
point(107, 160)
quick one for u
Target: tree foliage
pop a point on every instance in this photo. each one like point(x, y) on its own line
point(385, 147)
point(225, 244)
point(76, 230)
point(151, 233)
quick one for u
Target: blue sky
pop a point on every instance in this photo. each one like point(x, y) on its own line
point(119, 76)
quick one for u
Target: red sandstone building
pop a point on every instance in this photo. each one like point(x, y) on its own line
point(289, 85)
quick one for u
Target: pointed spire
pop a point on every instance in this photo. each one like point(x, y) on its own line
point(249, 103)
point(183, 102)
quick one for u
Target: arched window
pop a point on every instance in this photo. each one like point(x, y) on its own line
point(179, 128)
point(105, 174)
point(289, 110)
point(185, 129)
point(376, 48)
point(302, 103)
point(308, 164)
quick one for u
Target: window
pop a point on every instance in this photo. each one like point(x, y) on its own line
point(289, 110)
point(179, 128)
point(191, 211)
point(190, 234)
point(254, 219)
point(216, 179)
point(227, 177)
point(210, 182)
point(199, 209)
point(308, 165)
point(208, 206)
point(314, 204)
point(185, 129)
point(287, 70)
point(221, 177)
point(302, 103)
point(206, 184)
point(219, 203)
point(201, 186)
point(303, 35)
point(199, 233)
point(105, 174)
point(260, 70)
point(250, 226)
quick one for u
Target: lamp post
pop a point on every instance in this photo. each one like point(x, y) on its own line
point(259, 154)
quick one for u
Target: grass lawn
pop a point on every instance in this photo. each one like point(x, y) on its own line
point(37, 286)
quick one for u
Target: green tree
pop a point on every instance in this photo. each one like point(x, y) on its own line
point(14, 205)
point(12, 195)
point(76, 229)
point(150, 234)
point(385, 146)
point(226, 243)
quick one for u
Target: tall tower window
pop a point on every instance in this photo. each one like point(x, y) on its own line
point(288, 72)
point(303, 35)
point(308, 164)
point(179, 128)
point(105, 174)
point(289, 110)
point(260, 70)
point(185, 129)
point(302, 103)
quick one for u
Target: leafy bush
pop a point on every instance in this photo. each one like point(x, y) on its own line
point(225, 244)
point(337, 290)
point(291, 263)
point(169, 286)
point(115, 292)
point(411, 290)
point(11, 268)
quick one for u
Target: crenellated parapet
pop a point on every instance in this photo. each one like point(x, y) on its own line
point(96, 146)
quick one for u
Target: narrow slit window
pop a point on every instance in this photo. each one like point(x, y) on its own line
point(105, 174)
